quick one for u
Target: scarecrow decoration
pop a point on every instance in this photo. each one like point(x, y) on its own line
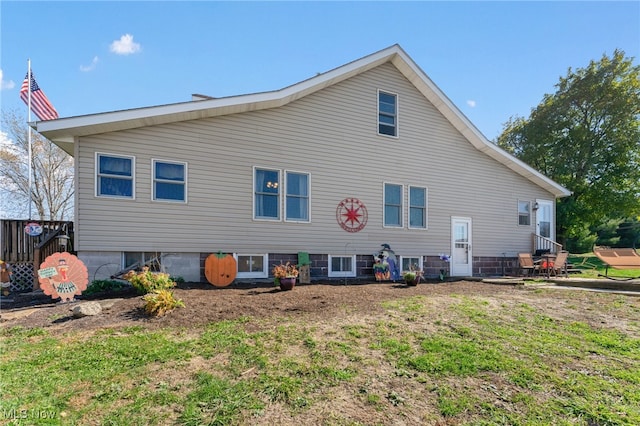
point(385, 265)
point(5, 277)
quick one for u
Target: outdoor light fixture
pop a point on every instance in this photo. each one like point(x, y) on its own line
point(63, 241)
point(535, 206)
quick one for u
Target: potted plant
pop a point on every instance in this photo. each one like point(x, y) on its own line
point(410, 278)
point(443, 272)
point(285, 275)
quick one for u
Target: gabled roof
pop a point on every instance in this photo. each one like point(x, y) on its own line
point(64, 131)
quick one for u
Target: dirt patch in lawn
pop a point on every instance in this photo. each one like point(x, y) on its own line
point(206, 303)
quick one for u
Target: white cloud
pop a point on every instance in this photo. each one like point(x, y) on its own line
point(471, 103)
point(91, 66)
point(6, 85)
point(125, 46)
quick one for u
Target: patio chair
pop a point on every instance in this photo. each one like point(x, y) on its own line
point(618, 258)
point(528, 264)
point(559, 265)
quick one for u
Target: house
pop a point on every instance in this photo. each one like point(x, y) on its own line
point(366, 154)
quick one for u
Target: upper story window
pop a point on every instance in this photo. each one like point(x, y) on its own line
point(524, 213)
point(297, 200)
point(115, 176)
point(387, 114)
point(392, 205)
point(417, 207)
point(169, 181)
point(266, 190)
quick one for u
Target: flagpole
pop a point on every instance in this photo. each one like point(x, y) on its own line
point(29, 127)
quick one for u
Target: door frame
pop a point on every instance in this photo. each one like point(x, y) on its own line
point(542, 205)
point(461, 269)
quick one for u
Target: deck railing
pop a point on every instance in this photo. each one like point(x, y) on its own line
point(543, 243)
point(25, 253)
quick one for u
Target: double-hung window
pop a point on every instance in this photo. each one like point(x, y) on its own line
point(115, 176)
point(417, 207)
point(387, 114)
point(266, 194)
point(524, 213)
point(392, 205)
point(297, 199)
point(169, 181)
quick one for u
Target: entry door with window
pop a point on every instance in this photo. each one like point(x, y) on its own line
point(461, 256)
point(544, 219)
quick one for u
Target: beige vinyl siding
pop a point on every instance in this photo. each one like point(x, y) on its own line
point(332, 135)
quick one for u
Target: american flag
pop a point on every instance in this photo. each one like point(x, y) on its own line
point(40, 105)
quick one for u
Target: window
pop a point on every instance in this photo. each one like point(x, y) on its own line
point(342, 266)
point(387, 114)
point(417, 207)
point(411, 263)
point(136, 259)
point(169, 181)
point(297, 201)
point(392, 205)
point(114, 177)
point(266, 198)
point(252, 265)
point(524, 213)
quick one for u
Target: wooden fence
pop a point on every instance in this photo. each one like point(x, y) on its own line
point(25, 253)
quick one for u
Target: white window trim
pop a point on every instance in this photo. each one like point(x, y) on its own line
point(384, 203)
point(420, 262)
point(387, 92)
point(253, 195)
point(153, 181)
point(426, 208)
point(97, 175)
point(518, 213)
point(123, 256)
point(284, 197)
point(342, 274)
point(265, 262)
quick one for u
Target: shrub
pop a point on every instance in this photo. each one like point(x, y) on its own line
point(159, 302)
point(146, 281)
point(99, 286)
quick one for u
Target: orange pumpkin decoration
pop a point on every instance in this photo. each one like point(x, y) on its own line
point(220, 269)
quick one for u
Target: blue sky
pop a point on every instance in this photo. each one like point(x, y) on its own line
point(494, 60)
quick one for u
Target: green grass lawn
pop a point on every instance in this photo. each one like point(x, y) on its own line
point(543, 357)
point(592, 267)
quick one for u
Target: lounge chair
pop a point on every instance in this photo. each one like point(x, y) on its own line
point(618, 258)
point(527, 264)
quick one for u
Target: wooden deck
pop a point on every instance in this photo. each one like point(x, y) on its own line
point(25, 253)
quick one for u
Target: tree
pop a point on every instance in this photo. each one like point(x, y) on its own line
point(52, 172)
point(586, 136)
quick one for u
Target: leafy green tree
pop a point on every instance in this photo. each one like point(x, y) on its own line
point(629, 232)
point(52, 173)
point(586, 136)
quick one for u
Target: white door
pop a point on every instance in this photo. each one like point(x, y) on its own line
point(544, 219)
point(461, 256)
